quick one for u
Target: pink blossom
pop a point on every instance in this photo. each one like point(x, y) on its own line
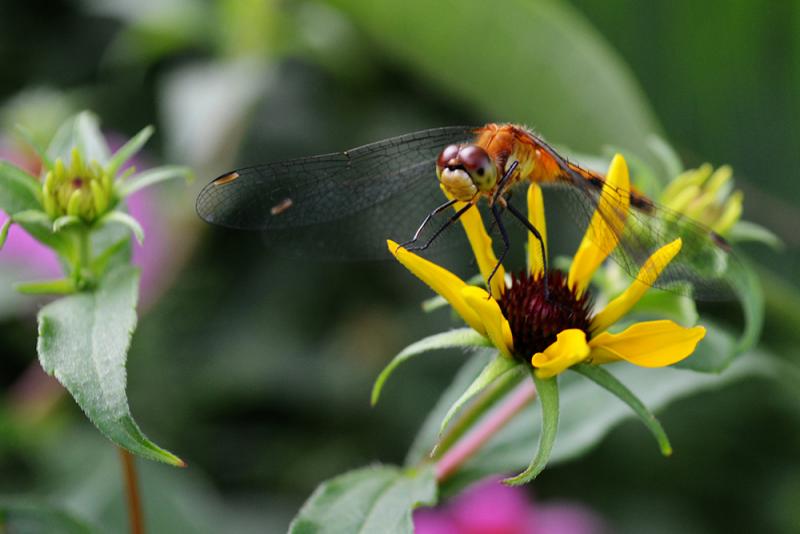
point(490, 507)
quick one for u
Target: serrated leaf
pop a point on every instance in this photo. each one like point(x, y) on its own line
point(587, 414)
point(152, 177)
point(496, 368)
point(375, 500)
point(128, 150)
point(461, 337)
point(83, 342)
point(606, 380)
point(19, 191)
point(547, 391)
point(31, 517)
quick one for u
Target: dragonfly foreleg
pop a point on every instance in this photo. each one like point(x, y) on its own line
point(426, 221)
point(524, 220)
point(506, 245)
point(442, 228)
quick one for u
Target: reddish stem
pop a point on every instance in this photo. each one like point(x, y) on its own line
point(132, 491)
point(462, 451)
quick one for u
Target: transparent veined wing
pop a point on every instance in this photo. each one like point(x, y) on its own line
point(705, 268)
point(342, 205)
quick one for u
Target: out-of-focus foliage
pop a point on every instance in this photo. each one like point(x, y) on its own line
point(266, 364)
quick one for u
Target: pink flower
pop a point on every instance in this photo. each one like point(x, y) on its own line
point(490, 507)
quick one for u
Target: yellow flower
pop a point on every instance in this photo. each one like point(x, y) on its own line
point(554, 327)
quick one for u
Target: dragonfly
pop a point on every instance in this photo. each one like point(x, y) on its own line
point(345, 204)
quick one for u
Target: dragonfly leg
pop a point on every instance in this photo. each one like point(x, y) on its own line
point(524, 220)
point(425, 223)
point(496, 212)
point(442, 228)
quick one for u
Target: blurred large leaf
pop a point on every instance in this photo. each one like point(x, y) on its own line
point(18, 190)
point(588, 413)
point(81, 131)
point(26, 517)
point(369, 500)
point(83, 342)
point(539, 63)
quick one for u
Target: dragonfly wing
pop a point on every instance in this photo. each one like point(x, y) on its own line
point(705, 268)
point(340, 205)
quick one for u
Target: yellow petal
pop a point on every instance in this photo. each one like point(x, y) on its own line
point(481, 245)
point(536, 217)
point(647, 276)
point(569, 348)
point(440, 280)
point(730, 214)
point(497, 327)
point(647, 344)
point(607, 223)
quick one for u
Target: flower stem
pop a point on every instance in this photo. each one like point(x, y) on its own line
point(132, 490)
point(453, 459)
point(475, 411)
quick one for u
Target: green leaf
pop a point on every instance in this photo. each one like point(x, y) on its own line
point(31, 517)
point(127, 221)
point(462, 337)
point(375, 500)
point(744, 231)
point(586, 416)
point(39, 226)
point(4, 231)
point(606, 380)
point(152, 177)
point(128, 150)
point(61, 286)
point(505, 66)
point(19, 191)
point(547, 391)
point(82, 131)
point(83, 342)
point(496, 368)
point(115, 254)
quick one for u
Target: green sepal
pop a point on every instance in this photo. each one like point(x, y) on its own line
point(125, 220)
point(609, 382)
point(746, 231)
point(64, 221)
point(128, 150)
point(496, 368)
point(60, 286)
point(547, 391)
point(152, 177)
point(461, 337)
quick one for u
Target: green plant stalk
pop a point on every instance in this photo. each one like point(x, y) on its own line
point(475, 411)
point(465, 448)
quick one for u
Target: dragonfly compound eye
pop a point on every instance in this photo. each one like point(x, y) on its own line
point(479, 166)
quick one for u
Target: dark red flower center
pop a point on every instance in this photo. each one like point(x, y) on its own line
point(537, 316)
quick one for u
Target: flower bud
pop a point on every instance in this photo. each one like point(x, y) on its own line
point(81, 189)
point(705, 195)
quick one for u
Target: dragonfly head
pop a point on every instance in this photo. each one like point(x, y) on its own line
point(466, 170)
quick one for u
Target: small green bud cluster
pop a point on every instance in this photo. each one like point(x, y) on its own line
point(82, 189)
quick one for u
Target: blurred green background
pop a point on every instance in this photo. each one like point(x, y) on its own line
point(256, 368)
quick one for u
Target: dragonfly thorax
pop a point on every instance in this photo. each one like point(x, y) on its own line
point(466, 170)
